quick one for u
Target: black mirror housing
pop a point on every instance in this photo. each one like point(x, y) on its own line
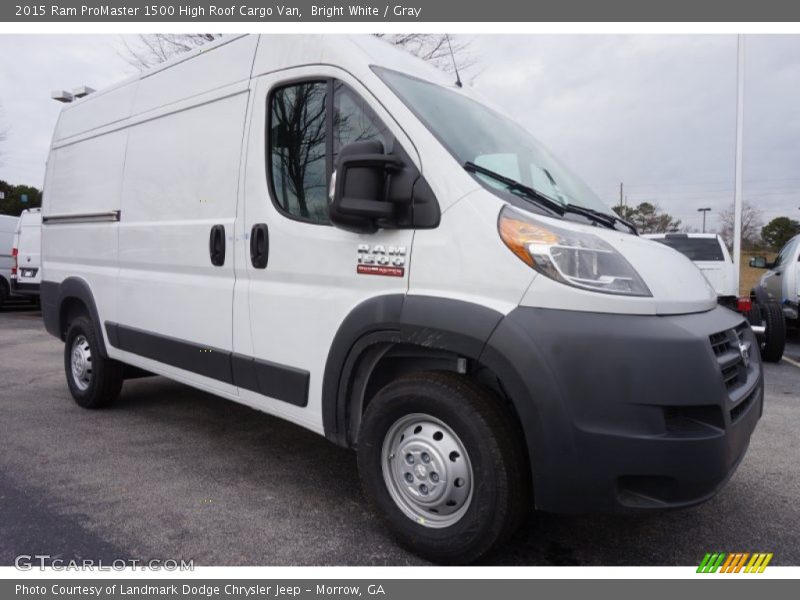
point(372, 190)
point(359, 187)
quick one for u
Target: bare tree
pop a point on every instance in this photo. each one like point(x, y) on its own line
point(434, 48)
point(751, 225)
point(155, 48)
point(151, 49)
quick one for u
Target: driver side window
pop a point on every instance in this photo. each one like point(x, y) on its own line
point(784, 255)
point(309, 123)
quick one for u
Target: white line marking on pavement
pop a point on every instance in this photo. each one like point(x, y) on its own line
point(792, 362)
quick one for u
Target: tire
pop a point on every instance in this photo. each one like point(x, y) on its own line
point(775, 332)
point(96, 381)
point(754, 314)
point(4, 292)
point(489, 505)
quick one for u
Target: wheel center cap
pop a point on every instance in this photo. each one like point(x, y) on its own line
point(77, 360)
point(421, 471)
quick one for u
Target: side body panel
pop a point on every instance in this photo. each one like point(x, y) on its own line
point(181, 180)
point(310, 283)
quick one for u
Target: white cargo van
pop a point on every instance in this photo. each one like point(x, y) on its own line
point(8, 225)
point(326, 229)
point(27, 250)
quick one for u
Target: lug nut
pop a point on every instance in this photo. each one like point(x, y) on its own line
point(410, 459)
point(425, 457)
point(409, 478)
point(423, 489)
point(434, 477)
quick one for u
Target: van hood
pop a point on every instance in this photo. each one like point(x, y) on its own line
point(676, 284)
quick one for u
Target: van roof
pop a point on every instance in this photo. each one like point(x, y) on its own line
point(8, 224)
point(225, 62)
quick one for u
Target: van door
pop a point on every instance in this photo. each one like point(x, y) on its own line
point(773, 279)
point(302, 272)
point(29, 251)
point(176, 261)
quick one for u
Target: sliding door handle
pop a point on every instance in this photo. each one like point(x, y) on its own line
point(216, 245)
point(259, 245)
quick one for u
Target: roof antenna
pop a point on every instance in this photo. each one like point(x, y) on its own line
point(453, 56)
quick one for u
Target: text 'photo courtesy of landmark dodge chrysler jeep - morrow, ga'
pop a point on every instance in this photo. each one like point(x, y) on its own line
point(329, 230)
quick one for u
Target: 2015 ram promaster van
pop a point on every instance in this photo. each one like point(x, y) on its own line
point(329, 230)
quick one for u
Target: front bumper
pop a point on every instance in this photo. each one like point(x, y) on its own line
point(624, 413)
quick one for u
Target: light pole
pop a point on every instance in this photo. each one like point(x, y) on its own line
point(737, 196)
point(704, 211)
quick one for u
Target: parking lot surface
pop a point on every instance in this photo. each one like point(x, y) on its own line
point(169, 472)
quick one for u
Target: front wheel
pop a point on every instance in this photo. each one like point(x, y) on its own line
point(442, 462)
point(94, 381)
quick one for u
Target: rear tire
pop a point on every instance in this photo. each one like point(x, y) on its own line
point(775, 332)
point(4, 292)
point(93, 381)
point(443, 463)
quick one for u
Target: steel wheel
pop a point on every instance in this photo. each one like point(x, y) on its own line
point(427, 470)
point(81, 362)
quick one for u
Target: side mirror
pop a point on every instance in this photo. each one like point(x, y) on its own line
point(759, 262)
point(358, 199)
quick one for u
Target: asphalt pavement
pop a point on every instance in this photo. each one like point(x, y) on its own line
point(169, 472)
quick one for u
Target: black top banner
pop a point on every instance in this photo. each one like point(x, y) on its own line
point(383, 11)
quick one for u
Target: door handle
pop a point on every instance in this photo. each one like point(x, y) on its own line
point(259, 245)
point(216, 245)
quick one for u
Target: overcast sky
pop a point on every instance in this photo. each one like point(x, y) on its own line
point(655, 112)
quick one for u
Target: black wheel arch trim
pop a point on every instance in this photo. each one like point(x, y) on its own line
point(54, 294)
point(762, 296)
point(433, 323)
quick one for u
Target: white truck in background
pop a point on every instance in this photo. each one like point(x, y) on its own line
point(8, 226)
point(27, 254)
point(709, 253)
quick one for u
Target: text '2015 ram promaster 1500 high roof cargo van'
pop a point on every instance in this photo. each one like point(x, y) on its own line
point(326, 229)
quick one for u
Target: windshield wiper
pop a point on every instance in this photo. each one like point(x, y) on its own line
point(516, 186)
point(600, 217)
point(595, 216)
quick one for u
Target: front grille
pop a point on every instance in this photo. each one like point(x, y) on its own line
point(725, 345)
point(719, 342)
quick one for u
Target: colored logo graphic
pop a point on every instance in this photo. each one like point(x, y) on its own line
point(734, 562)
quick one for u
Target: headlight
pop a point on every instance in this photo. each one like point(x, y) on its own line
point(582, 260)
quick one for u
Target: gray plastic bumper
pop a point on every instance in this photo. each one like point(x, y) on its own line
point(626, 412)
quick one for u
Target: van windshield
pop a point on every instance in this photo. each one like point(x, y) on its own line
point(474, 133)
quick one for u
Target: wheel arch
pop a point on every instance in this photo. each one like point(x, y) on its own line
point(386, 337)
point(63, 301)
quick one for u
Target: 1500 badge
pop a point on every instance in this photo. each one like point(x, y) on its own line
point(389, 261)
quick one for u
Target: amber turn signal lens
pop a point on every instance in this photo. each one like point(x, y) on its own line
point(518, 233)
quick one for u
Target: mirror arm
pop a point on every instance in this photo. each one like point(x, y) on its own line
point(386, 161)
